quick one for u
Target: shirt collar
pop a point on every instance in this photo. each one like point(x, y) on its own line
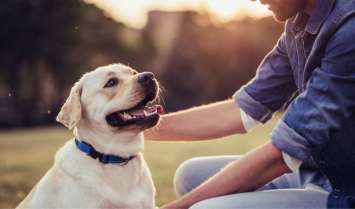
point(321, 11)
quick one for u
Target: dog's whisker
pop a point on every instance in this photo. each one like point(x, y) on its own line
point(161, 88)
point(160, 97)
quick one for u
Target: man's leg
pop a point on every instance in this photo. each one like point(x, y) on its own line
point(194, 171)
point(283, 192)
point(278, 198)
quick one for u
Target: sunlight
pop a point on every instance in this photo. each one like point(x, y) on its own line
point(134, 12)
point(226, 10)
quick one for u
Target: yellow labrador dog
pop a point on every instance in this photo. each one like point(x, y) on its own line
point(102, 167)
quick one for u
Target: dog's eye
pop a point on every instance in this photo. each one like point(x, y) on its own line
point(111, 83)
point(134, 72)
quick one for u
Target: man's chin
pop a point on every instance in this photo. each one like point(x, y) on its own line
point(280, 17)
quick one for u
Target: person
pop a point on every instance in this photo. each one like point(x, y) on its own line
point(310, 159)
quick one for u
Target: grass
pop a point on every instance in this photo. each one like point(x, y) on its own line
point(25, 155)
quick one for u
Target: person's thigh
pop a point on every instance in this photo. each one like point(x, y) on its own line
point(280, 198)
point(193, 172)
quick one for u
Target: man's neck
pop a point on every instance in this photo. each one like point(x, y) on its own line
point(310, 5)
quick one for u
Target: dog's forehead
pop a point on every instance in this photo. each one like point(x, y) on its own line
point(118, 68)
point(101, 74)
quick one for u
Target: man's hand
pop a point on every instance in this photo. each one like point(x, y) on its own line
point(200, 123)
point(254, 170)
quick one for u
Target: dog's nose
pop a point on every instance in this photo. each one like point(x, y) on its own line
point(145, 78)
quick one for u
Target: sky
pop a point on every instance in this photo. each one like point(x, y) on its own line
point(134, 12)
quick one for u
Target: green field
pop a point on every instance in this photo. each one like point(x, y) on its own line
point(27, 154)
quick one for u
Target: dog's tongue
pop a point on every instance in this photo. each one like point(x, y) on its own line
point(160, 109)
point(146, 111)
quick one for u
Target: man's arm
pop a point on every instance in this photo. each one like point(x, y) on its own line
point(200, 123)
point(267, 92)
point(255, 169)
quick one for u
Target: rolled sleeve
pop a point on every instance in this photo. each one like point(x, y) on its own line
point(271, 88)
point(253, 108)
point(289, 141)
point(328, 102)
point(292, 163)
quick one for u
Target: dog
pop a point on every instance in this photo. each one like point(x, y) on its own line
point(102, 166)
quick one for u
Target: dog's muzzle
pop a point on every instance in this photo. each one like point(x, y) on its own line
point(144, 114)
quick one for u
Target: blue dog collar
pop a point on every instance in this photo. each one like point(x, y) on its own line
point(103, 158)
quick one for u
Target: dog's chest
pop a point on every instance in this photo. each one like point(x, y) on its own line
point(128, 186)
point(133, 191)
point(104, 186)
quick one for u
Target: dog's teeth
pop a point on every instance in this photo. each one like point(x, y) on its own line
point(126, 116)
point(149, 113)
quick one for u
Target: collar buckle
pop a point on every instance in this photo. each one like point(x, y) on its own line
point(94, 154)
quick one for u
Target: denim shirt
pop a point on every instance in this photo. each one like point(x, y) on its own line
point(312, 70)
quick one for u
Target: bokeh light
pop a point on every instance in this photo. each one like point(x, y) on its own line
point(134, 12)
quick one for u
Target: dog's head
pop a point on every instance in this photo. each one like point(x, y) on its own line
point(113, 97)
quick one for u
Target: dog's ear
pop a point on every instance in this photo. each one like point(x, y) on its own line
point(70, 113)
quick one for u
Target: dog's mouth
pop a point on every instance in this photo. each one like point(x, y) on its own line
point(144, 113)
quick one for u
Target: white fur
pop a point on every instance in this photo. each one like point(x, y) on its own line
point(78, 181)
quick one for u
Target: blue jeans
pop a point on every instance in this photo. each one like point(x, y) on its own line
point(283, 192)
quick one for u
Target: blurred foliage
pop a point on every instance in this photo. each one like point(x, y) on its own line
point(47, 45)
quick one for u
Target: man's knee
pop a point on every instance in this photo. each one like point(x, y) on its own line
point(193, 172)
point(204, 204)
point(213, 203)
point(234, 201)
point(184, 176)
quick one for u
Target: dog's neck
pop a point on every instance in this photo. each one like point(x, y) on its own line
point(116, 143)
